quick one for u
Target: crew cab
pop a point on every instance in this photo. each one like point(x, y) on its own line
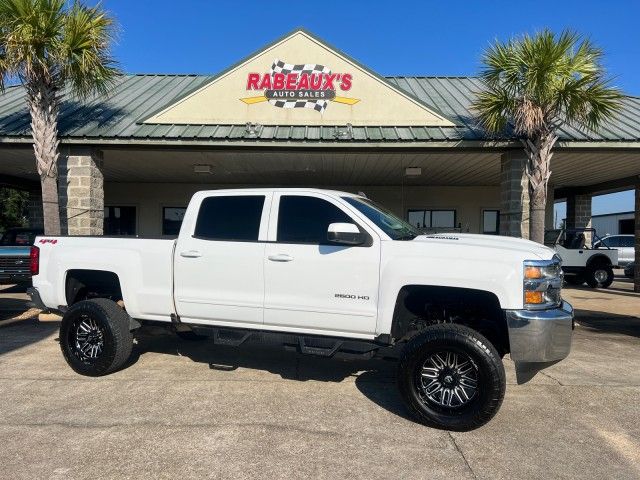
point(324, 272)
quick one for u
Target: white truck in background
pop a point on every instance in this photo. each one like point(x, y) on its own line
point(327, 272)
point(582, 260)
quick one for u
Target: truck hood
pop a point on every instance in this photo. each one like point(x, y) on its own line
point(496, 242)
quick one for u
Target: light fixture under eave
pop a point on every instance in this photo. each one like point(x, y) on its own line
point(202, 169)
point(413, 171)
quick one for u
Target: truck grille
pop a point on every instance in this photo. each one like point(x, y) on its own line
point(14, 265)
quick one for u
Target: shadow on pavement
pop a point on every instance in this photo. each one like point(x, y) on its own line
point(19, 288)
point(253, 355)
point(25, 333)
point(374, 378)
point(600, 322)
point(383, 393)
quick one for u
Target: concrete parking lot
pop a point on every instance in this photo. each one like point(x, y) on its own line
point(194, 410)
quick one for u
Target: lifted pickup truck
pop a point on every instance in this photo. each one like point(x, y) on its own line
point(326, 272)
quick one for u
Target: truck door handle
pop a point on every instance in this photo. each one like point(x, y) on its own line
point(190, 254)
point(281, 257)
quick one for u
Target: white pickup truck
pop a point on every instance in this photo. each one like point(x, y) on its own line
point(327, 272)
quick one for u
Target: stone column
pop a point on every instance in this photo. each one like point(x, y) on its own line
point(81, 193)
point(35, 216)
point(514, 195)
point(579, 214)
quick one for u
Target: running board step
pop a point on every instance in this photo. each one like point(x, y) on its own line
point(322, 351)
point(230, 337)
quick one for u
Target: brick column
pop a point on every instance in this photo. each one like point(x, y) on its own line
point(579, 214)
point(35, 216)
point(81, 193)
point(514, 195)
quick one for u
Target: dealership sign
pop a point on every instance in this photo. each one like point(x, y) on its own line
point(300, 86)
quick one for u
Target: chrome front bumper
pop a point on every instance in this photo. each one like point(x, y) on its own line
point(540, 335)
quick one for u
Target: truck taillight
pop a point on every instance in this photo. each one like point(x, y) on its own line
point(34, 263)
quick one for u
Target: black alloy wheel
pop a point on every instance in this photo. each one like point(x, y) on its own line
point(451, 377)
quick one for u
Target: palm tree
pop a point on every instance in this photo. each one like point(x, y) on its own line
point(536, 83)
point(48, 47)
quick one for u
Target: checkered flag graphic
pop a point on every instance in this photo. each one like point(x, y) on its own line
point(279, 66)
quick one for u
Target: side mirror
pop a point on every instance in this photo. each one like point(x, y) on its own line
point(345, 234)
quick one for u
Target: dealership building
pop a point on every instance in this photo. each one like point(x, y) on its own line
point(300, 112)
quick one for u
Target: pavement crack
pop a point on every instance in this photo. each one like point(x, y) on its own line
point(466, 462)
point(552, 378)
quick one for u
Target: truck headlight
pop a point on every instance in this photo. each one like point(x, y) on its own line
point(542, 283)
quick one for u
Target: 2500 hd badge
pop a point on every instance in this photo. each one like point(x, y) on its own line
point(353, 297)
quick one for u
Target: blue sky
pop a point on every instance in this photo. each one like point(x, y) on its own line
point(393, 38)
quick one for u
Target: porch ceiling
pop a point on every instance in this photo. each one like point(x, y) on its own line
point(471, 168)
point(304, 168)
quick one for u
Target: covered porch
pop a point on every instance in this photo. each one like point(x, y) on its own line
point(476, 190)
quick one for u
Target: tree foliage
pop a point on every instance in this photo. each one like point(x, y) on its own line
point(537, 82)
point(14, 204)
point(41, 40)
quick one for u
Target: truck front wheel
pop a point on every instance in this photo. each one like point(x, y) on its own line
point(451, 377)
point(95, 337)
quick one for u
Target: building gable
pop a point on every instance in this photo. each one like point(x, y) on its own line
point(299, 80)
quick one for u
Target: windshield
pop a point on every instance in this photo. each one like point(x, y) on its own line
point(551, 237)
point(393, 226)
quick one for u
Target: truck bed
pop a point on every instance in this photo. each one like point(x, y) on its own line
point(143, 267)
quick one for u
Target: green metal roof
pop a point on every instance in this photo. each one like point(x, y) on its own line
point(135, 97)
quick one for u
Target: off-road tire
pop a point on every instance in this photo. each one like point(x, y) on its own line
point(490, 374)
point(114, 323)
point(593, 282)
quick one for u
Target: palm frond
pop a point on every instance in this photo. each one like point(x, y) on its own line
point(43, 40)
point(550, 79)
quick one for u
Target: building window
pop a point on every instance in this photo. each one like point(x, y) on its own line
point(172, 220)
point(626, 226)
point(232, 218)
point(433, 220)
point(491, 222)
point(119, 221)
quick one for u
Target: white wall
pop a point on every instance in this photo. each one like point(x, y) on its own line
point(608, 224)
point(149, 198)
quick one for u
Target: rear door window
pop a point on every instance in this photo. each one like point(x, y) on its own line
point(230, 218)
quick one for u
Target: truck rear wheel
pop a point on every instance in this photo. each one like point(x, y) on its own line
point(599, 276)
point(451, 377)
point(95, 337)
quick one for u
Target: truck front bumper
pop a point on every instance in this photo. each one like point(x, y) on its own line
point(540, 336)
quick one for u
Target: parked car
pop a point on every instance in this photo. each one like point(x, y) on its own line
point(581, 263)
point(629, 269)
point(625, 244)
point(15, 247)
point(322, 272)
